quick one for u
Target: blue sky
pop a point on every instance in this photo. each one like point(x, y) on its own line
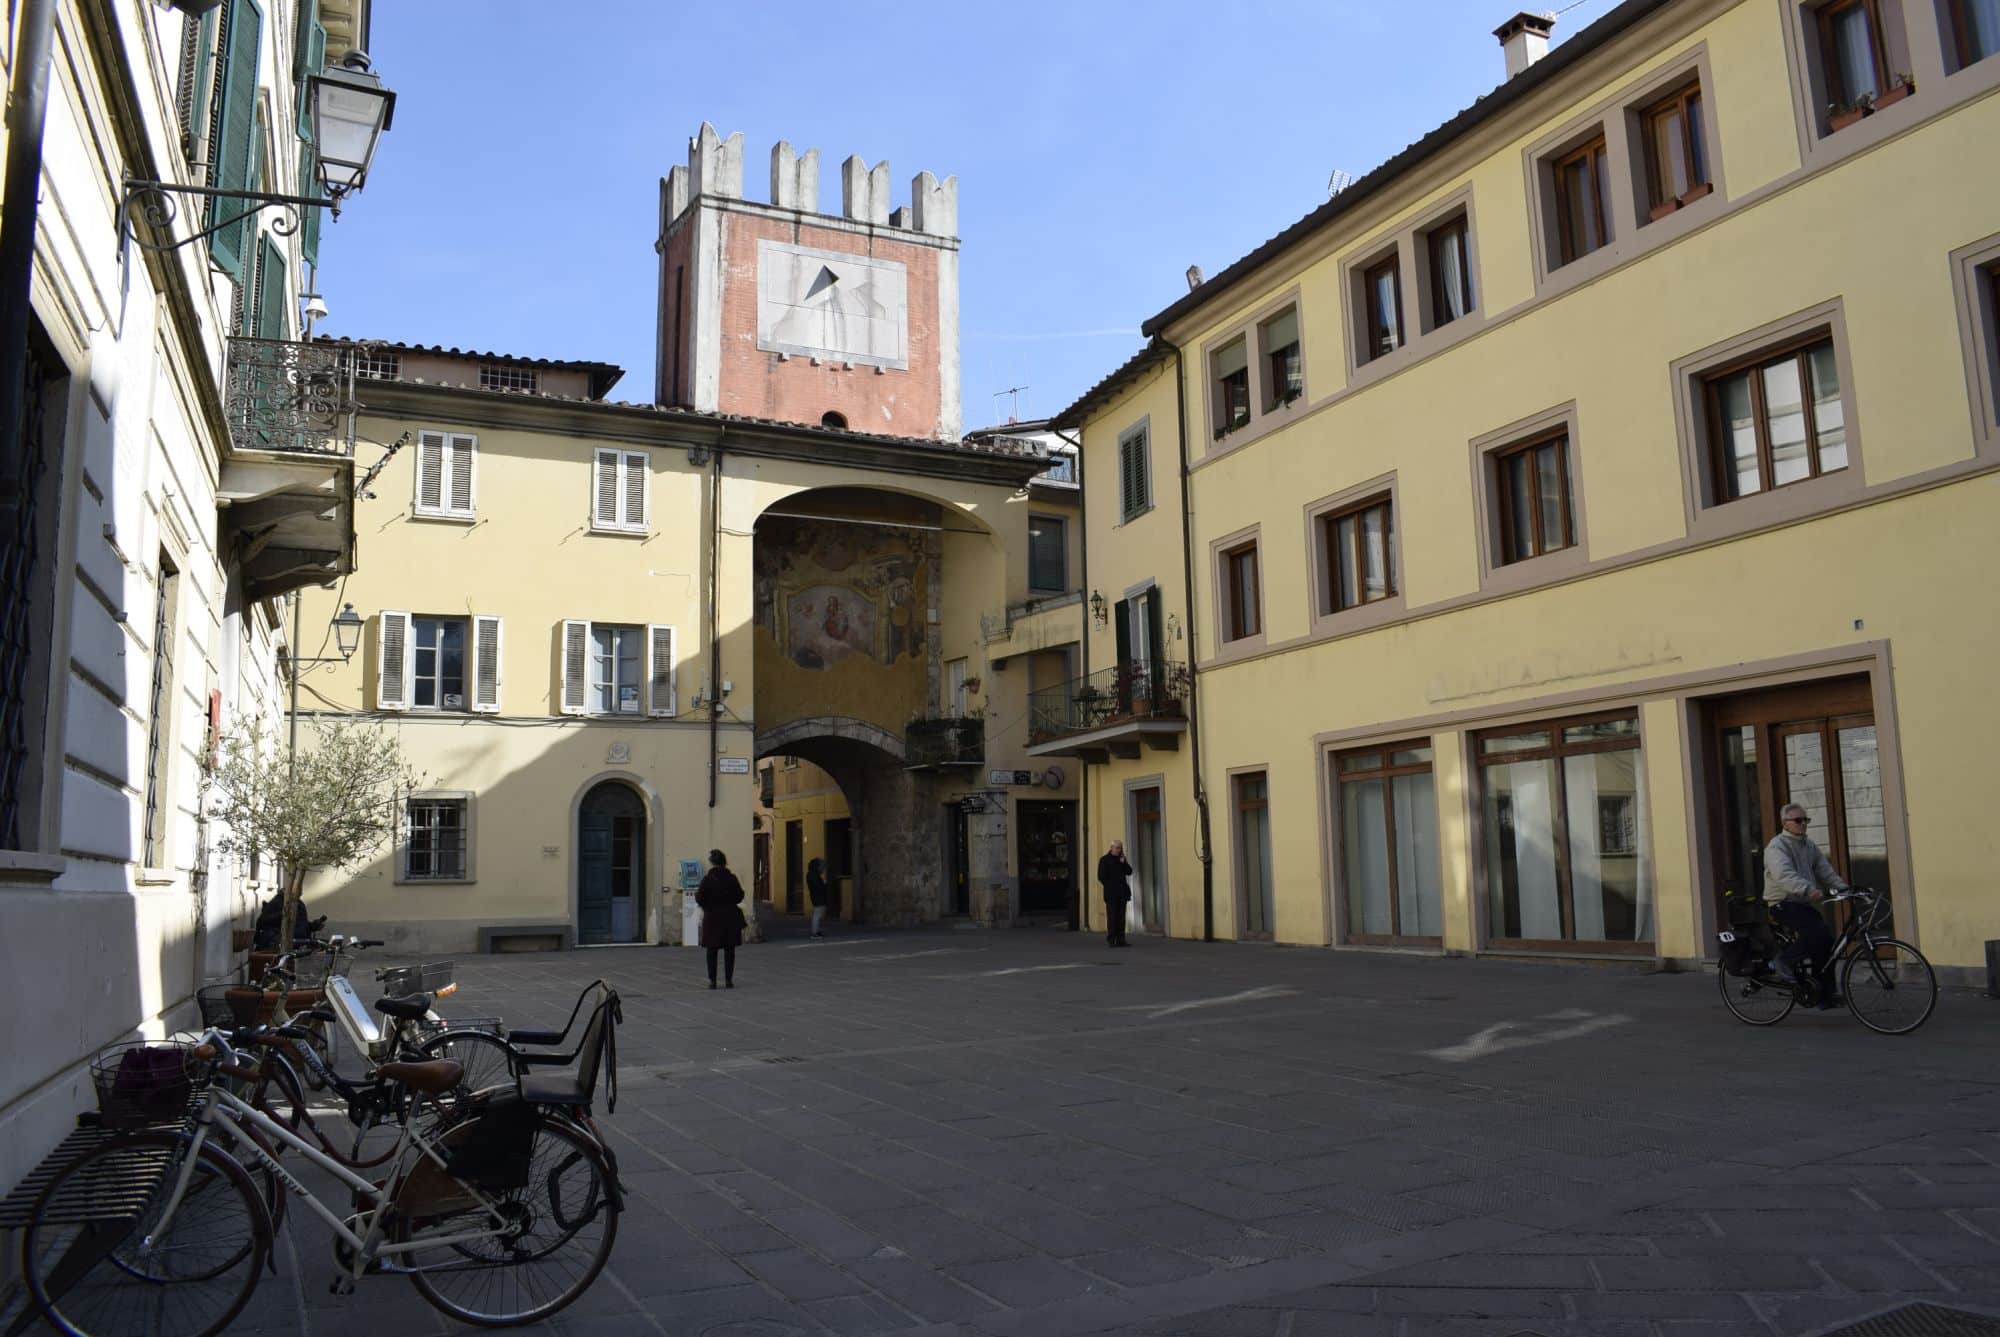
point(1100, 150)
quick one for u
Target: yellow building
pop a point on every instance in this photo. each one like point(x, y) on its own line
point(1484, 560)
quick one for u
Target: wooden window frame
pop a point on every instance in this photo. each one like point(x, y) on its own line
point(1372, 322)
point(468, 670)
point(1595, 154)
point(1458, 227)
point(1796, 349)
point(1241, 618)
point(1694, 149)
point(1388, 772)
point(1280, 362)
point(1959, 21)
point(1138, 439)
point(1839, 95)
point(1329, 524)
point(1555, 750)
point(1502, 493)
point(1227, 420)
point(1975, 272)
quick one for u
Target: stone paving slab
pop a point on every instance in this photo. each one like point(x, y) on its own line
point(920, 1133)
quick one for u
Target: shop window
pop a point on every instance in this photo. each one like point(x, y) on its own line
point(1252, 795)
point(1389, 874)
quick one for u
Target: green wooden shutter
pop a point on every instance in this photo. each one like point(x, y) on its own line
point(308, 59)
point(271, 290)
point(231, 153)
point(309, 228)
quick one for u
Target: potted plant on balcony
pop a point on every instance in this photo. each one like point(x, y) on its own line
point(1840, 115)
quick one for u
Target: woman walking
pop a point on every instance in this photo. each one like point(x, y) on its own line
point(720, 897)
point(816, 892)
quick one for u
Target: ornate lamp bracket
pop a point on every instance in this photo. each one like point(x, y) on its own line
point(153, 203)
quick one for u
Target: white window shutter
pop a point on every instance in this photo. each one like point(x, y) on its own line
point(660, 699)
point(636, 470)
point(486, 665)
point(392, 670)
point(575, 667)
point(430, 471)
point(604, 490)
point(464, 450)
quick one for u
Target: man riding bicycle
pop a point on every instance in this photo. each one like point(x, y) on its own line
point(1796, 877)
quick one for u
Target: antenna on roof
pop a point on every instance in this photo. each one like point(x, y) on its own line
point(1014, 412)
point(1338, 182)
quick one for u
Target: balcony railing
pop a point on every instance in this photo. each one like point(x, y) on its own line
point(948, 740)
point(1128, 692)
point(292, 397)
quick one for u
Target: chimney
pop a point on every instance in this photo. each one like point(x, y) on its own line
point(1194, 277)
point(1525, 39)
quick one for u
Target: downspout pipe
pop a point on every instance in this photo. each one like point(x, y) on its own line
point(1205, 852)
point(714, 644)
point(27, 112)
point(1080, 859)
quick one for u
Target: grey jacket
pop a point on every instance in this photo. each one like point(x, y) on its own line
point(1794, 868)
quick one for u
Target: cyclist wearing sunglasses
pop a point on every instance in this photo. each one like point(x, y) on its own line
point(1796, 877)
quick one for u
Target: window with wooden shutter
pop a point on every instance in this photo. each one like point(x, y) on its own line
point(445, 464)
point(308, 58)
point(309, 229)
point(271, 320)
point(619, 480)
point(1135, 490)
point(392, 666)
point(660, 697)
point(486, 665)
point(575, 666)
point(231, 147)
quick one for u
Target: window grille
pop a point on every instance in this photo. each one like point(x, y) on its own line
point(497, 376)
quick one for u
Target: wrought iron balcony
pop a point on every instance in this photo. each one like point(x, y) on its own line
point(1112, 709)
point(948, 740)
point(294, 398)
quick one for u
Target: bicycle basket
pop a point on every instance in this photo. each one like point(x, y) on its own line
point(399, 981)
point(142, 1083)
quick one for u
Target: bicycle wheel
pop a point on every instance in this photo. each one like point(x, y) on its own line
point(103, 1277)
point(561, 1226)
point(1891, 989)
point(1761, 1000)
point(488, 1060)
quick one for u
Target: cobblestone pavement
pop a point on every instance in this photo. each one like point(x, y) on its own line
point(987, 1133)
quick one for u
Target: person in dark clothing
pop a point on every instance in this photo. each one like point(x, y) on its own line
point(816, 893)
point(1114, 874)
point(720, 897)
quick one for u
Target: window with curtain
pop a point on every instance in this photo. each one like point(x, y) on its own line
point(1855, 61)
point(1777, 419)
point(1975, 30)
point(1566, 854)
point(1253, 853)
point(1390, 883)
point(1382, 290)
point(1450, 246)
point(1582, 200)
point(1242, 599)
point(1676, 158)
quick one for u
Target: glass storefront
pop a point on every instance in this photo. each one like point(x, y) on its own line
point(1389, 845)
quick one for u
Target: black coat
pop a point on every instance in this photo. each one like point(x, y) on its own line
point(1112, 872)
point(816, 887)
point(720, 897)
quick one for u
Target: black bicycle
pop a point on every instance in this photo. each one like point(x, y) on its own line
point(1888, 984)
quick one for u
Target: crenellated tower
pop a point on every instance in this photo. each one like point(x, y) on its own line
point(779, 311)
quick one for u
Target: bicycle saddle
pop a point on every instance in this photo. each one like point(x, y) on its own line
point(412, 1007)
point(433, 1077)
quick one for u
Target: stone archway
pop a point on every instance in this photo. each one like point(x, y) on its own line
point(896, 817)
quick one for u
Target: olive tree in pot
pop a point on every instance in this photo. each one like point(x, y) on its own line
point(329, 806)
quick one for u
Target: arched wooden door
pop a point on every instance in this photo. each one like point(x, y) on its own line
point(611, 871)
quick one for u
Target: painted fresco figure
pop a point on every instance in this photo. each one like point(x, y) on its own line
point(720, 897)
point(1114, 875)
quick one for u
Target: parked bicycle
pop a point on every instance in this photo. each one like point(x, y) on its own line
point(1888, 984)
point(500, 1214)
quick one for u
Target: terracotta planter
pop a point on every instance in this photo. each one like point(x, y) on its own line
point(1662, 209)
point(1700, 192)
point(1840, 120)
point(1893, 94)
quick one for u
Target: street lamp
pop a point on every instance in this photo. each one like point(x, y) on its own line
point(349, 109)
point(1097, 607)
point(347, 627)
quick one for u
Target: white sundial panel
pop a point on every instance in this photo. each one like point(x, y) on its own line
point(826, 304)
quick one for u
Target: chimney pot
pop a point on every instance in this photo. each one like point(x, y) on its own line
point(1525, 39)
point(1194, 277)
